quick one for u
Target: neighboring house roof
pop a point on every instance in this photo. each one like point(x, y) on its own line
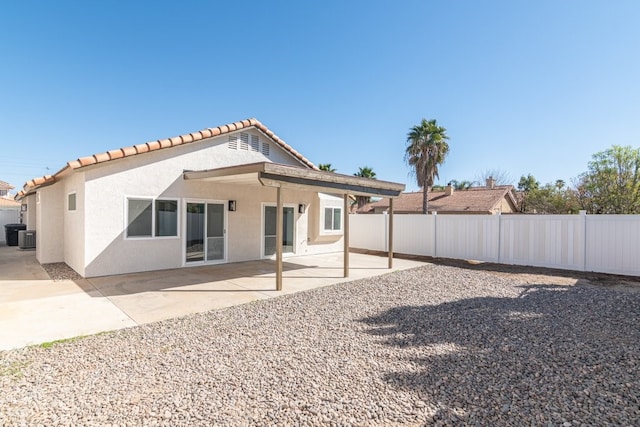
point(8, 203)
point(480, 200)
point(5, 186)
point(160, 144)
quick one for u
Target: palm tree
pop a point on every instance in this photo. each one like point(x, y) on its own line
point(364, 172)
point(326, 167)
point(426, 149)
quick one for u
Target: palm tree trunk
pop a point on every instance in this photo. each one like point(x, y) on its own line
point(425, 200)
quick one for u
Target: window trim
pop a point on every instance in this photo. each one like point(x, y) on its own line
point(296, 217)
point(323, 218)
point(183, 226)
point(153, 235)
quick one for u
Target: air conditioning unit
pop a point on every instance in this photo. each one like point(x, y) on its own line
point(27, 239)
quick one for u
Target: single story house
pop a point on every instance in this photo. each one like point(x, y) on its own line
point(489, 200)
point(212, 196)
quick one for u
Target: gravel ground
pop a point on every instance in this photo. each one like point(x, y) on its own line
point(435, 345)
point(60, 271)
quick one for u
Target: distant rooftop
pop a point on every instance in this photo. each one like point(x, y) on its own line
point(475, 200)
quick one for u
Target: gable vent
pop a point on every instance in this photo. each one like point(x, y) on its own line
point(233, 142)
point(265, 148)
point(244, 141)
point(255, 143)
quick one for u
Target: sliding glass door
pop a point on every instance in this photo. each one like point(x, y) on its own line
point(269, 238)
point(205, 232)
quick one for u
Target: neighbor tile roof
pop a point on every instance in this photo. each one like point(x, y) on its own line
point(8, 203)
point(472, 200)
point(162, 144)
point(5, 185)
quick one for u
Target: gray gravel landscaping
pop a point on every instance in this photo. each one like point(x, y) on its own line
point(435, 345)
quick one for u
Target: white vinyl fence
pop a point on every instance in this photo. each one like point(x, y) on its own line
point(8, 216)
point(601, 243)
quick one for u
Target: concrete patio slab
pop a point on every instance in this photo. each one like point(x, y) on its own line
point(35, 309)
point(159, 295)
point(19, 264)
point(33, 312)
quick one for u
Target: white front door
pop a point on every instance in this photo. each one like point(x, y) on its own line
point(205, 232)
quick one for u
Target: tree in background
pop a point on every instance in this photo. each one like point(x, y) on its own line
point(612, 183)
point(426, 149)
point(461, 185)
point(326, 167)
point(526, 185)
point(500, 176)
point(364, 172)
point(551, 198)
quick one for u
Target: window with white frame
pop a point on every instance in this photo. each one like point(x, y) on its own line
point(152, 218)
point(71, 202)
point(166, 218)
point(332, 219)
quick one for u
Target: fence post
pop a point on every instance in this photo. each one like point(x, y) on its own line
point(499, 235)
point(386, 231)
point(435, 234)
point(583, 215)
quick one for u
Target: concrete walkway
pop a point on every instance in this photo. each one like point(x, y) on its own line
point(35, 309)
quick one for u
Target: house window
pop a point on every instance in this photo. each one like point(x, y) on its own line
point(332, 219)
point(152, 218)
point(166, 218)
point(3, 193)
point(265, 148)
point(71, 202)
point(140, 218)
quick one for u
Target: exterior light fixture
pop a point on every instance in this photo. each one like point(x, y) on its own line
point(301, 208)
point(232, 205)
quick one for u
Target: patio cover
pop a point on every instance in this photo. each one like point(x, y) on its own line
point(284, 176)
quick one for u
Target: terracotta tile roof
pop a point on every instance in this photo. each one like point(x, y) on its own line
point(162, 144)
point(8, 203)
point(479, 200)
point(5, 186)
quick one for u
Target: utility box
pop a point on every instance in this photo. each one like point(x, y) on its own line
point(11, 233)
point(27, 239)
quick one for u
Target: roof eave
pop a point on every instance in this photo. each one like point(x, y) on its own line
point(278, 175)
point(120, 153)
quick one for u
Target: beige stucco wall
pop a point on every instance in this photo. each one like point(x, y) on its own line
point(159, 174)
point(29, 216)
point(74, 222)
point(50, 205)
point(505, 206)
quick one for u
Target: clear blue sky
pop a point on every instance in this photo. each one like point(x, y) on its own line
point(525, 87)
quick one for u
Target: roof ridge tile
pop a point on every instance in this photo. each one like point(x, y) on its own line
point(166, 143)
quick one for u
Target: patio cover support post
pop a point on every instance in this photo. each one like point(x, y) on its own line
point(279, 240)
point(346, 234)
point(391, 233)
